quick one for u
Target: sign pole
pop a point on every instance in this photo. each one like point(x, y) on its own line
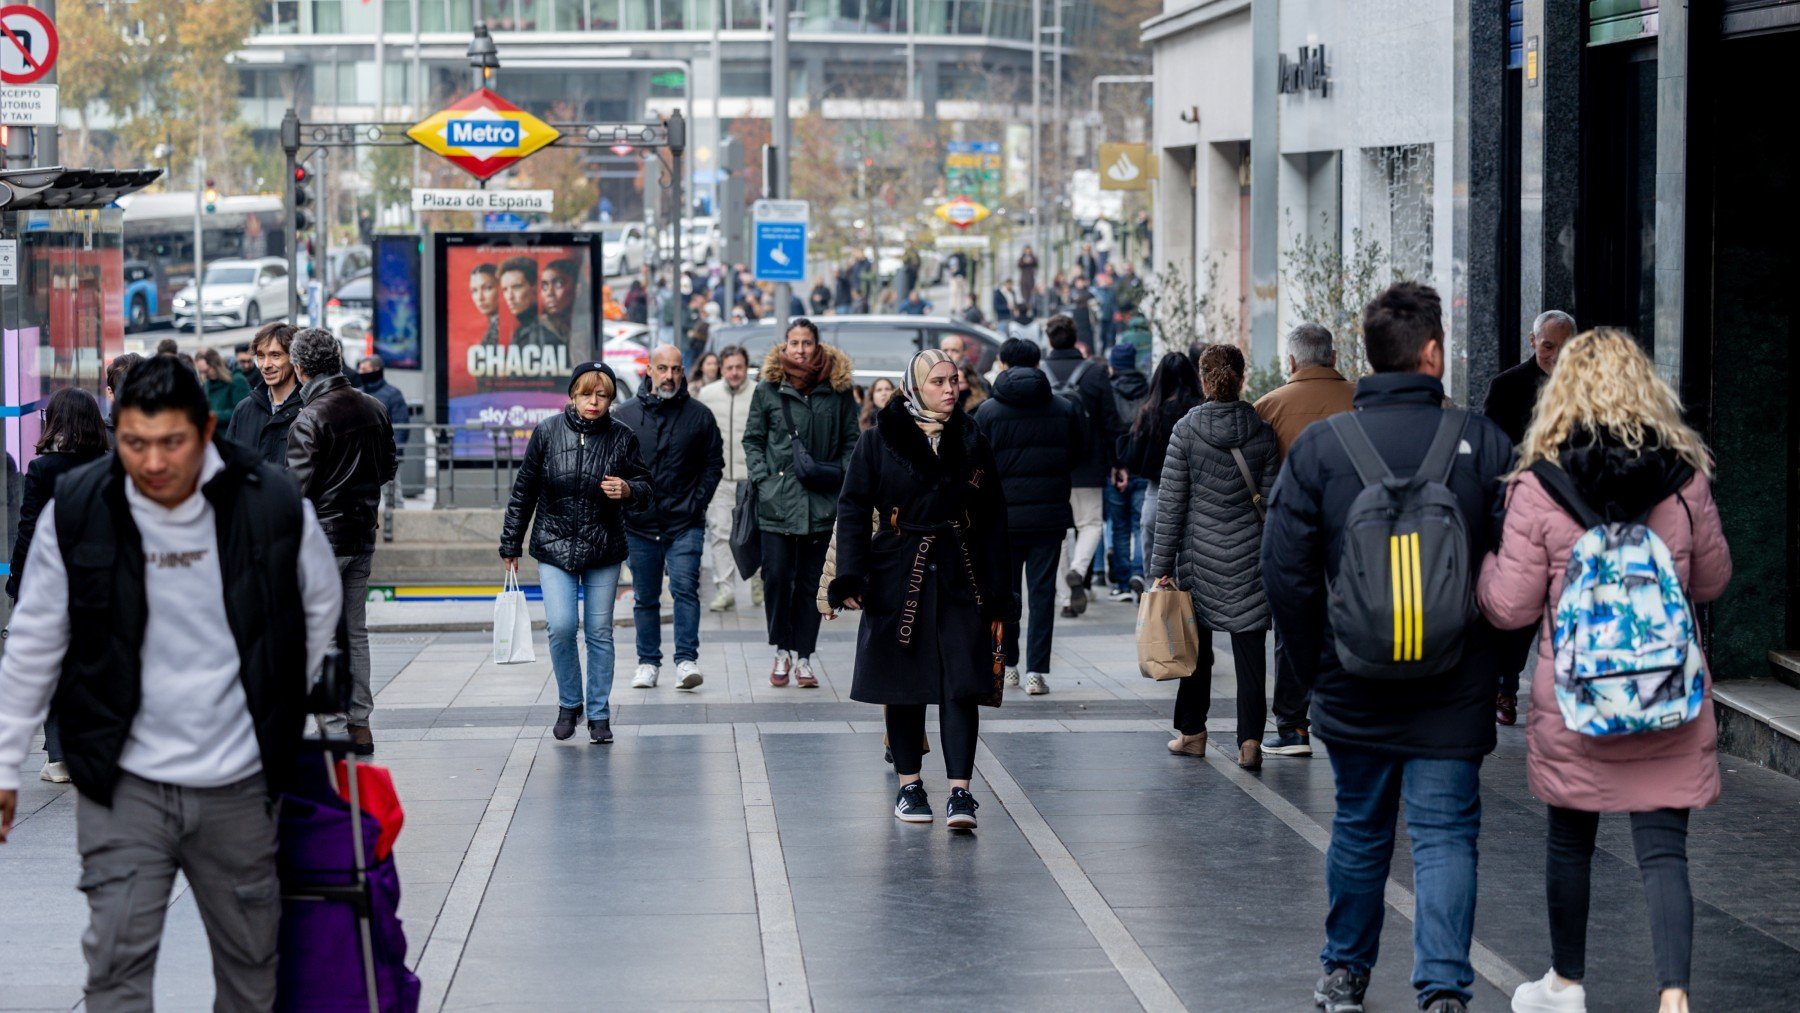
point(779, 59)
point(290, 146)
point(48, 153)
point(199, 247)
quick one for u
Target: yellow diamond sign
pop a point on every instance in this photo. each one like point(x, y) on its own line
point(483, 133)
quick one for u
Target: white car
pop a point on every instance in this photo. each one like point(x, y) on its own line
point(626, 349)
point(699, 241)
point(239, 293)
point(621, 249)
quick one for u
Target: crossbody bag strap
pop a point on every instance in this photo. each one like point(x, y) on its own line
point(787, 412)
point(1256, 499)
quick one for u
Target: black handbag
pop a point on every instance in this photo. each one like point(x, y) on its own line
point(819, 476)
point(746, 531)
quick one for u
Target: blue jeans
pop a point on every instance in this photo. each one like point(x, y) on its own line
point(1124, 516)
point(598, 589)
point(1443, 816)
point(681, 555)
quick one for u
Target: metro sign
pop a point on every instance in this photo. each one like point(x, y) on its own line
point(483, 134)
point(962, 212)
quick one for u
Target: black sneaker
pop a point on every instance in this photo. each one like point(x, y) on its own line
point(1443, 1002)
point(599, 732)
point(1137, 585)
point(911, 805)
point(888, 755)
point(565, 721)
point(1294, 742)
point(959, 812)
point(1341, 991)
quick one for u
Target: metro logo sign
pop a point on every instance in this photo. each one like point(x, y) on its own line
point(483, 134)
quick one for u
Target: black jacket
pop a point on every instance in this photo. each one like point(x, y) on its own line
point(1036, 439)
point(679, 444)
point(578, 528)
point(1095, 387)
point(1445, 716)
point(257, 424)
point(259, 516)
point(399, 412)
point(40, 484)
point(932, 578)
point(1513, 395)
point(1142, 453)
point(341, 451)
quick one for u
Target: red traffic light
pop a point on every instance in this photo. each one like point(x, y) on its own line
point(300, 174)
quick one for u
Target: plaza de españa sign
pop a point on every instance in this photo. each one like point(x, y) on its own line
point(482, 133)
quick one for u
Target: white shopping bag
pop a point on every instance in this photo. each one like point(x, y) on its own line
point(512, 625)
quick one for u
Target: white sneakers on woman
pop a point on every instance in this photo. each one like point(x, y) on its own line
point(1547, 995)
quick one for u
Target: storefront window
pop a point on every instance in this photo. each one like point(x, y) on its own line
point(1397, 205)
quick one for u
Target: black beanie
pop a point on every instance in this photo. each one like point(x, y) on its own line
point(592, 366)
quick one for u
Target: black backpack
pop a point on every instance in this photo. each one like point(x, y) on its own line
point(1069, 389)
point(1404, 590)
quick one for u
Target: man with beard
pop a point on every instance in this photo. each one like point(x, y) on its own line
point(519, 287)
point(484, 292)
point(678, 440)
point(556, 298)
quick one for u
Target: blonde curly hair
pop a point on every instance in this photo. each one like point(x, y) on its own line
point(1604, 381)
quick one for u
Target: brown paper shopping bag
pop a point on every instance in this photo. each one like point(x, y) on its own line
point(1168, 636)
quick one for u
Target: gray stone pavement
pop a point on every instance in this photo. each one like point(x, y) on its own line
point(734, 850)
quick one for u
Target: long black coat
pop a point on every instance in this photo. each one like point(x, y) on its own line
point(578, 528)
point(929, 591)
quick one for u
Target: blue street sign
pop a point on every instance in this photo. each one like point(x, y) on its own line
point(779, 239)
point(503, 221)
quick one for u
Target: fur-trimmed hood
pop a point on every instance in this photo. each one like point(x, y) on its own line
point(841, 376)
point(905, 442)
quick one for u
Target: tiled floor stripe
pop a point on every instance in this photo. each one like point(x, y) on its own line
point(783, 966)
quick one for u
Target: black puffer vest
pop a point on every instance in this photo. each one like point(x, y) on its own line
point(257, 510)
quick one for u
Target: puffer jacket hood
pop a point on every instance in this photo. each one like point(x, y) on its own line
point(1227, 424)
point(1023, 388)
point(841, 375)
point(1622, 484)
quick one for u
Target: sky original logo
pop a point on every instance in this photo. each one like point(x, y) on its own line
point(483, 134)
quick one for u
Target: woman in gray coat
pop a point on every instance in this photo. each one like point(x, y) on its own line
point(1220, 468)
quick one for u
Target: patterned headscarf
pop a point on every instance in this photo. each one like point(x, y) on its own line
point(913, 381)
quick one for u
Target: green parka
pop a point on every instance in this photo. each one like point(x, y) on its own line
point(826, 419)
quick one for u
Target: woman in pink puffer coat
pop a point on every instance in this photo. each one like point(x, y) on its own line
point(1608, 422)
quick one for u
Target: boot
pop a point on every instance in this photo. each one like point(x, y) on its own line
point(1188, 745)
point(1250, 754)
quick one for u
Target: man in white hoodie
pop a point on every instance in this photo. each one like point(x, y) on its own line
point(178, 598)
point(729, 399)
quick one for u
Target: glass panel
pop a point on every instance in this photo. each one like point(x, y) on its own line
point(700, 14)
point(874, 347)
point(327, 17)
point(934, 16)
point(640, 15)
point(671, 14)
point(603, 15)
point(969, 14)
point(528, 15)
point(397, 16)
point(282, 17)
point(498, 14)
point(746, 14)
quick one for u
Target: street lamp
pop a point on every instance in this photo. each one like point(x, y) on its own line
point(483, 56)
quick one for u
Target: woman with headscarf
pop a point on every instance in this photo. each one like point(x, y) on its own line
point(797, 443)
point(930, 578)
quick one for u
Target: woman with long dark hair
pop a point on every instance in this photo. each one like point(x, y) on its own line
point(880, 392)
point(73, 435)
point(930, 579)
point(797, 442)
point(1174, 391)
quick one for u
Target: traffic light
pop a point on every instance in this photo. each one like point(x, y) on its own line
point(302, 221)
point(212, 197)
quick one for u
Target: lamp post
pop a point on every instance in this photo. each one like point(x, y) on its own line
point(483, 56)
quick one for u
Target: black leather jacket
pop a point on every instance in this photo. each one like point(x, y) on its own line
point(578, 528)
point(340, 450)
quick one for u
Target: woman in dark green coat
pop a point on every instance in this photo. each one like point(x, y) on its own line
point(224, 388)
point(804, 390)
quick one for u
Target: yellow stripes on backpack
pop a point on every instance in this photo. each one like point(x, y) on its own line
point(1409, 609)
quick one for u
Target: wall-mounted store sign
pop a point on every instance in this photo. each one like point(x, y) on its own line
point(1306, 72)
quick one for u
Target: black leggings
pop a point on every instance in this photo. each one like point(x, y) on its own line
point(958, 723)
point(791, 566)
point(1193, 700)
point(1661, 840)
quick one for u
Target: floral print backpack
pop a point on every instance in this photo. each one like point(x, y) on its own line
point(1623, 638)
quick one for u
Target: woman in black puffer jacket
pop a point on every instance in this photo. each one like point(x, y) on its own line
point(580, 474)
point(1209, 522)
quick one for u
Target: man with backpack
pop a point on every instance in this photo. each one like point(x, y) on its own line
point(1124, 494)
point(1083, 383)
point(1399, 661)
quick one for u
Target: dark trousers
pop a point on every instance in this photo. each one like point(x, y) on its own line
point(52, 739)
point(790, 569)
point(1291, 694)
point(1660, 837)
point(1034, 560)
point(1514, 653)
point(1193, 700)
point(958, 723)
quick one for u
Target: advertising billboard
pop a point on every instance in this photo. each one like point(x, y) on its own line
point(397, 301)
point(515, 312)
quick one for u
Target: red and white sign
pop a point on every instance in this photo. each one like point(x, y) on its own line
point(28, 44)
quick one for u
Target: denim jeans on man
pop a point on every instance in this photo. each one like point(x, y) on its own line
point(1443, 817)
point(680, 554)
point(598, 589)
point(1124, 517)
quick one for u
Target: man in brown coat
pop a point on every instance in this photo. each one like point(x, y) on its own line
point(1315, 390)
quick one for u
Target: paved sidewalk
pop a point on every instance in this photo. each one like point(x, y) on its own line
point(734, 850)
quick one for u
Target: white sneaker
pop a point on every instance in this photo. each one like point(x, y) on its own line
point(645, 677)
point(55, 773)
point(1036, 683)
point(1011, 678)
point(1546, 996)
point(690, 675)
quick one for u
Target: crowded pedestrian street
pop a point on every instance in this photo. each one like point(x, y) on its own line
point(733, 849)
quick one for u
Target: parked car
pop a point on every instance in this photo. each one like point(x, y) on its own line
point(145, 302)
point(877, 345)
point(622, 248)
point(349, 314)
point(626, 348)
point(239, 293)
point(699, 241)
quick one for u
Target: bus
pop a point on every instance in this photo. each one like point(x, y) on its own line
point(159, 245)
